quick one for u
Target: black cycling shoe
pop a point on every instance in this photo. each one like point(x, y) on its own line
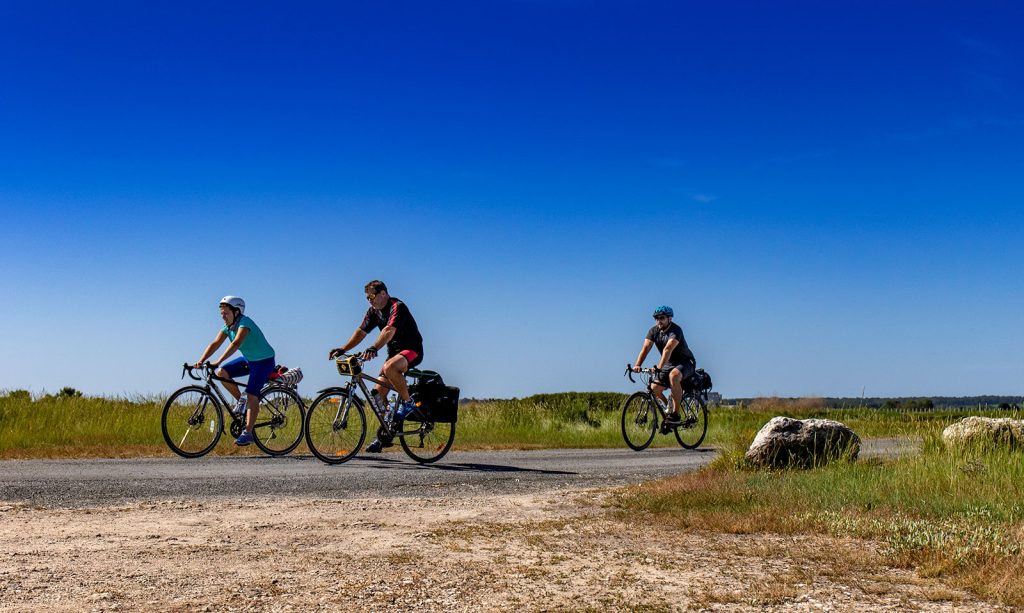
point(673, 419)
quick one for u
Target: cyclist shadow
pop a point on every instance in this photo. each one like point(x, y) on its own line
point(464, 467)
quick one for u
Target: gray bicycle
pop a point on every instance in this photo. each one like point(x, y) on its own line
point(642, 412)
point(193, 417)
point(336, 421)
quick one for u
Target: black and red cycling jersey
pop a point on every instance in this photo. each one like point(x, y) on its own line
point(397, 315)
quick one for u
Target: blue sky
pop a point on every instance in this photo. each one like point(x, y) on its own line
point(828, 194)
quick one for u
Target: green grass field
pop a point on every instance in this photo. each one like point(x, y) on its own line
point(56, 426)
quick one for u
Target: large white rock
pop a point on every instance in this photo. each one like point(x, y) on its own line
point(786, 442)
point(974, 430)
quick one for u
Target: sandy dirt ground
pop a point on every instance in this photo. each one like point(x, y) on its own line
point(563, 551)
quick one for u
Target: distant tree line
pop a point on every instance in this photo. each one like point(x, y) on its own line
point(912, 403)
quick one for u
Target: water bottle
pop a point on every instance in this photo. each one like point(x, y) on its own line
point(379, 406)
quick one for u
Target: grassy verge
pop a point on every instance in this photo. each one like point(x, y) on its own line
point(58, 426)
point(954, 513)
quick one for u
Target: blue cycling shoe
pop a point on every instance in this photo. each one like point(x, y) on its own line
point(378, 445)
point(404, 410)
point(245, 438)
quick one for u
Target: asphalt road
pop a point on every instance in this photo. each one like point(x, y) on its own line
point(75, 483)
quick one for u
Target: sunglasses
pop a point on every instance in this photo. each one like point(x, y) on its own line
point(660, 317)
point(370, 297)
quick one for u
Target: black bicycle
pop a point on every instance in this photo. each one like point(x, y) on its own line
point(642, 411)
point(336, 421)
point(193, 417)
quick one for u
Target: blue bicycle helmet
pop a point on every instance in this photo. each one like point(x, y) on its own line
point(663, 310)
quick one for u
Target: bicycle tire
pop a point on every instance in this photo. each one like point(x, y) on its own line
point(280, 422)
point(691, 435)
point(429, 442)
point(331, 437)
point(186, 414)
point(639, 421)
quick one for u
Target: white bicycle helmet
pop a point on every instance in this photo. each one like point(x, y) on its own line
point(234, 302)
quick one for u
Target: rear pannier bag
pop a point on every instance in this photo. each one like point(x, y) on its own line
point(436, 401)
point(699, 381)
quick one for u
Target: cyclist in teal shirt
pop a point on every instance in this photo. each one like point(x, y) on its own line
point(257, 361)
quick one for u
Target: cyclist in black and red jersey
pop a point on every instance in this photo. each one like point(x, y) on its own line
point(399, 332)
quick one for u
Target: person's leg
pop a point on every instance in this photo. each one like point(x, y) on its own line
point(238, 367)
point(258, 376)
point(675, 378)
point(659, 391)
point(394, 372)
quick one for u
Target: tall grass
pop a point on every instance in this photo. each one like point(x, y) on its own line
point(70, 426)
point(74, 426)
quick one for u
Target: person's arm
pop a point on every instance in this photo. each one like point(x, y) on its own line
point(233, 347)
point(385, 336)
point(356, 338)
point(666, 353)
point(217, 341)
point(643, 354)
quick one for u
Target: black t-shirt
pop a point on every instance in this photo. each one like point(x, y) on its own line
point(396, 314)
point(681, 354)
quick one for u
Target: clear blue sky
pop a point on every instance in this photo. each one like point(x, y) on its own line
point(828, 193)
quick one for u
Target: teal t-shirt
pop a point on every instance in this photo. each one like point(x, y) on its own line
point(255, 346)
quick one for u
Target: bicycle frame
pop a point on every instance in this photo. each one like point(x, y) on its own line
point(210, 377)
point(358, 381)
point(647, 378)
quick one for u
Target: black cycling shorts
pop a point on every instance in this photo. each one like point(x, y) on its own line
point(686, 369)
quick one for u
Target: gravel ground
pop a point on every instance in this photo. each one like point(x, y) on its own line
point(550, 551)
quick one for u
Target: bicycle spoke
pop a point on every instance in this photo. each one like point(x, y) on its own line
point(639, 421)
point(282, 430)
point(335, 427)
point(184, 422)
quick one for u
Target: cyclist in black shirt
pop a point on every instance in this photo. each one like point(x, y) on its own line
point(676, 364)
point(399, 332)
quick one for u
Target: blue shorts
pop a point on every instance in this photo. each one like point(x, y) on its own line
point(259, 372)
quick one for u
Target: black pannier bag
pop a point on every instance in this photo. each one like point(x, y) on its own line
point(436, 401)
point(699, 381)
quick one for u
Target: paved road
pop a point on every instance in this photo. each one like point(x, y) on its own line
point(72, 483)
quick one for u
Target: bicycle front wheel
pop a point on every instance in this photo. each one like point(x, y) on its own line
point(429, 442)
point(192, 422)
point(335, 426)
point(278, 428)
point(639, 421)
point(690, 433)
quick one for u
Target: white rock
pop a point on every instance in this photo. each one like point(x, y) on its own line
point(1001, 431)
point(786, 442)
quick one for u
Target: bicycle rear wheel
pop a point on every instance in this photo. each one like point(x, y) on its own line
point(335, 426)
point(691, 432)
point(192, 422)
point(279, 423)
point(639, 421)
point(428, 442)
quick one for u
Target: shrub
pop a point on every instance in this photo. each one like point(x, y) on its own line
point(69, 392)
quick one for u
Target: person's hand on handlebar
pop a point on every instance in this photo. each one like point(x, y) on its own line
point(334, 353)
point(369, 354)
point(637, 369)
point(198, 365)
